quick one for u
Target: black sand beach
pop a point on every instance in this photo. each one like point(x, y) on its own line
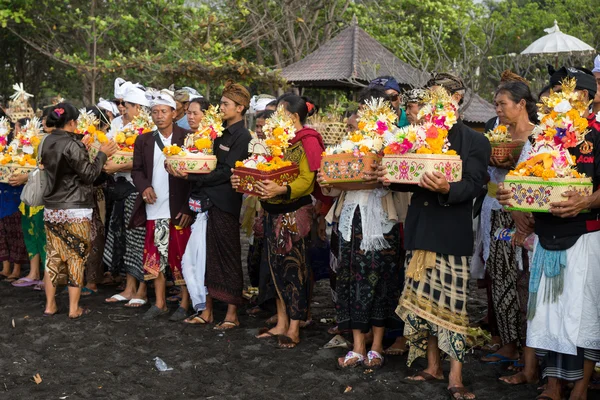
point(109, 355)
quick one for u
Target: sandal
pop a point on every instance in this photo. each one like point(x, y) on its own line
point(117, 298)
point(374, 360)
point(196, 319)
point(39, 287)
point(25, 282)
point(84, 312)
point(286, 342)
point(427, 377)
point(265, 331)
point(136, 303)
point(226, 325)
point(347, 363)
point(11, 279)
point(500, 359)
point(154, 312)
point(461, 391)
point(88, 292)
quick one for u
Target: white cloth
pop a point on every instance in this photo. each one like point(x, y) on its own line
point(193, 263)
point(115, 127)
point(574, 319)
point(108, 106)
point(135, 95)
point(596, 64)
point(484, 234)
point(163, 97)
point(160, 184)
point(360, 198)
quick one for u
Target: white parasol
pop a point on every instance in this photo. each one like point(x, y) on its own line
point(556, 42)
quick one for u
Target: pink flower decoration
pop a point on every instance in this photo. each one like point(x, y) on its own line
point(440, 121)
point(406, 145)
point(381, 126)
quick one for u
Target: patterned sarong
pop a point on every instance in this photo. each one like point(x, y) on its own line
point(163, 248)
point(436, 303)
point(68, 247)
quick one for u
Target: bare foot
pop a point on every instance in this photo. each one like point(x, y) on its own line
point(519, 379)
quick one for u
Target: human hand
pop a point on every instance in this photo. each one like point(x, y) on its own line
point(176, 173)
point(269, 189)
point(109, 148)
point(381, 175)
point(524, 222)
point(110, 167)
point(149, 196)
point(574, 204)
point(508, 163)
point(18, 179)
point(503, 195)
point(184, 220)
point(235, 180)
point(435, 181)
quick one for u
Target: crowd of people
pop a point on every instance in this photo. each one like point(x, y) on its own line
point(401, 256)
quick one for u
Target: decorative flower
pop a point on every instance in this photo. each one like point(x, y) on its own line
point(376, 121)
point(23, 148)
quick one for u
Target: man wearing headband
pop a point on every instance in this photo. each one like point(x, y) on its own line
point(414, 99)
point(392, 89)
point(124, 247)
point(565, 328)
point(217, 227)
point(438, 254)
point(162, 206)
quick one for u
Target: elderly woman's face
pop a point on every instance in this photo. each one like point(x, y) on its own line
point(194, 115)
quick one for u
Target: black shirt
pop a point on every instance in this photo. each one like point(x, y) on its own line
point(444, 223)
point(232, 146)
point(560, 233)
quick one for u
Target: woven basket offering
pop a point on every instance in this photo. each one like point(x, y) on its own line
point(347, 168)
point(193, 163)
point(13, 169)
point(409, 168)
point(120, 157)
point(535, 194)
point(332, 132)
point(250, 176)
point(501, 151)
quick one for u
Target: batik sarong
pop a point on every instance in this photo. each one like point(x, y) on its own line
point(68, 234)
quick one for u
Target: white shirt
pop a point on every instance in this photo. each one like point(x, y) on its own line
point(160, 184)
point(116, 126)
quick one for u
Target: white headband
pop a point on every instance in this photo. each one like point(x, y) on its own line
point(136, 96)
point(164, 97)
point(108, 106)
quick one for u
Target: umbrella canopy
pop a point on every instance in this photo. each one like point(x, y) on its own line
point(557, 42)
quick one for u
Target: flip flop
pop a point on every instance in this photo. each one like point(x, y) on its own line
point(349, 356)
point(117, 298)
point(174, 299)
point(265, 331)
point(136, 303)
point(196, 319)
point(226, 325)
point(427, 377)
point(84, 312)
point(501, 359)
point(39, 287)
point(459, 390)
point(50, 314)
point(25, 282)
point(372, 356)
point(87, 291)
point(11, 279)
point(286, 343)
point(337, 341)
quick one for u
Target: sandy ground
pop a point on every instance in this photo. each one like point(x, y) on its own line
point(109, 355)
